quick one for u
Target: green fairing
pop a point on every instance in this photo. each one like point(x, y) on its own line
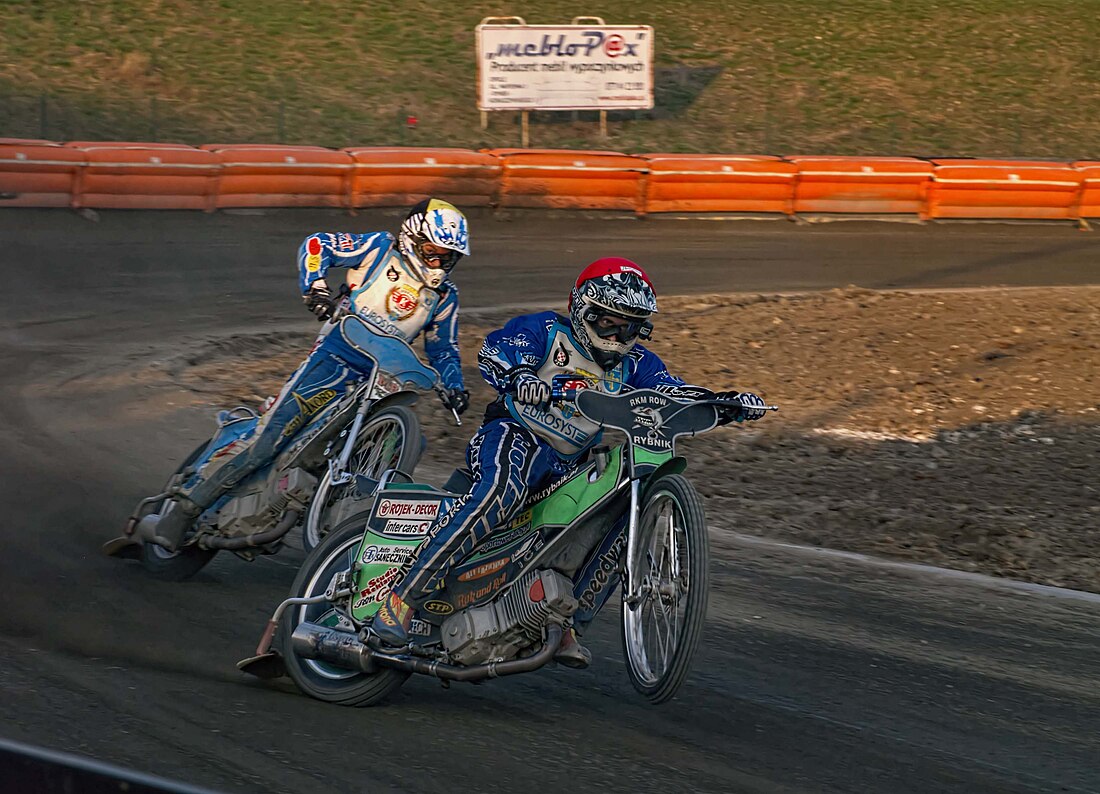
point(577, 495)
point(373, 570)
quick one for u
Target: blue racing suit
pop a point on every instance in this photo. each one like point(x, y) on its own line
point(520, 448)
point(385, 293)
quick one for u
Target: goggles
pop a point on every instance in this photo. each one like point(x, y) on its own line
point(436, 256)
point(625, 329)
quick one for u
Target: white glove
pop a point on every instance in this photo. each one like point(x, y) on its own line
point(530, 390)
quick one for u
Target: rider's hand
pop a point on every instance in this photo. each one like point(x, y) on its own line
point(530, 390)
point(458, 400)
point(319, 300)
point(734, 413)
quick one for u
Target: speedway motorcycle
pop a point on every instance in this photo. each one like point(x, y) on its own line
point(626, 517)
point(363, 433)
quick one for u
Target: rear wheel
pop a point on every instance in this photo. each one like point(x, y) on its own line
point(388, 440)
point(185, 562)
point(319, 679)
point(669, 571)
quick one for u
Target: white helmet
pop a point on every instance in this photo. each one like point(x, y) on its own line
point(442, 228)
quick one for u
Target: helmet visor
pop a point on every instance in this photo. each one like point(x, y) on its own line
point(437, 256)
point(625, 329)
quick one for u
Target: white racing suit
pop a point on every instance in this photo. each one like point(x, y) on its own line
point(520, 448)
point(386, 294)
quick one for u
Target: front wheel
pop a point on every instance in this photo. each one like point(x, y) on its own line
point(388, 440)
point(661, 630)
point(314, 677)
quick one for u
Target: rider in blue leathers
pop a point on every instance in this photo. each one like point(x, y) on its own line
point(401, 287)
point(527, 441)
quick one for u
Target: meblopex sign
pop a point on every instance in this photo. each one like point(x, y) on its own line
point(564, 67)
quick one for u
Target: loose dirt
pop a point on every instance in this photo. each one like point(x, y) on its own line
point(956, 428)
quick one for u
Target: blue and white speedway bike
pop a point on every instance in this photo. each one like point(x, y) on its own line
point(369, 430)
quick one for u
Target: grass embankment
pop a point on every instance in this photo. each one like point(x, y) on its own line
point(982, 77)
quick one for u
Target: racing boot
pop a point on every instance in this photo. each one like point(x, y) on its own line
point(571, 653)
point(180, 513)
point(391, 622)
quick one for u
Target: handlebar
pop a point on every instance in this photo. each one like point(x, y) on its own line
point(560, 391)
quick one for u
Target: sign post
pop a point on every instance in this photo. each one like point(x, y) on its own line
point(563, 67)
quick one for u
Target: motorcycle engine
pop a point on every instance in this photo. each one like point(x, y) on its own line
point(255, 510)
point(513, 622)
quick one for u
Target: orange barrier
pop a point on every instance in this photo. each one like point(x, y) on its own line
point(1003, 189)
point(37, 173)
point(1088, 200)
point(719, 183)
point(166, 176)
point(387, 177)
point(577, 180)
point(861, 185)
point(259, 175)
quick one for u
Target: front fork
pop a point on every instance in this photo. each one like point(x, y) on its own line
point(338, 466)
point(631, 594)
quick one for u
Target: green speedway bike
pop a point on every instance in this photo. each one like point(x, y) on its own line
point(626, 517)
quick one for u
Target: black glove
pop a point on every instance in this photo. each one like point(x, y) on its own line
point(530, 390)
point(735, 413)
point(457, 400)
point(319, 301)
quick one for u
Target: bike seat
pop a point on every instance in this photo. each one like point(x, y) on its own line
point(460, 481)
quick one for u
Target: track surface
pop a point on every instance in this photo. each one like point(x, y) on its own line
point(816, 674)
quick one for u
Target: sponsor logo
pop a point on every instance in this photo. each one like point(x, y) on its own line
point(421, 627)
point(401, 302)
point(391, 555)
point(554, 422)
point(345, 242)
point(528, 549)
point(307, 407)
point(484, 569)
point(561, 355)
point(376, 319)
point(313, 255)
point(401, 508)
point(391, 273)
point(376, 589)
point(606, 565)
point(504, 539)
point(438, 607)
point(412, 528)
point(465, 599)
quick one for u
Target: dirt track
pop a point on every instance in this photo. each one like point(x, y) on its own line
point(815, 674)
point(956, 428)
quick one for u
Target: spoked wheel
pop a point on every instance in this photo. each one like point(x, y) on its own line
point(662, 629)
point(186, 561)
point(388, 440)
point(314, 677)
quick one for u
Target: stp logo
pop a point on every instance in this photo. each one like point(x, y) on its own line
point(614, 46)
point(402, 302)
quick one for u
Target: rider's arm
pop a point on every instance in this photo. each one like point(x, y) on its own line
point(441, 339)
point(651, 373)
point(323, 250)
point(519, 347)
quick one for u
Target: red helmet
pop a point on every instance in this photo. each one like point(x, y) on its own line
point(610, 306)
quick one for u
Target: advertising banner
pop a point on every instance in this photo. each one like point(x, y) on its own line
point(565, 67)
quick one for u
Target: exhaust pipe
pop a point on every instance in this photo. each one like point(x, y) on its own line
point(311, 641)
